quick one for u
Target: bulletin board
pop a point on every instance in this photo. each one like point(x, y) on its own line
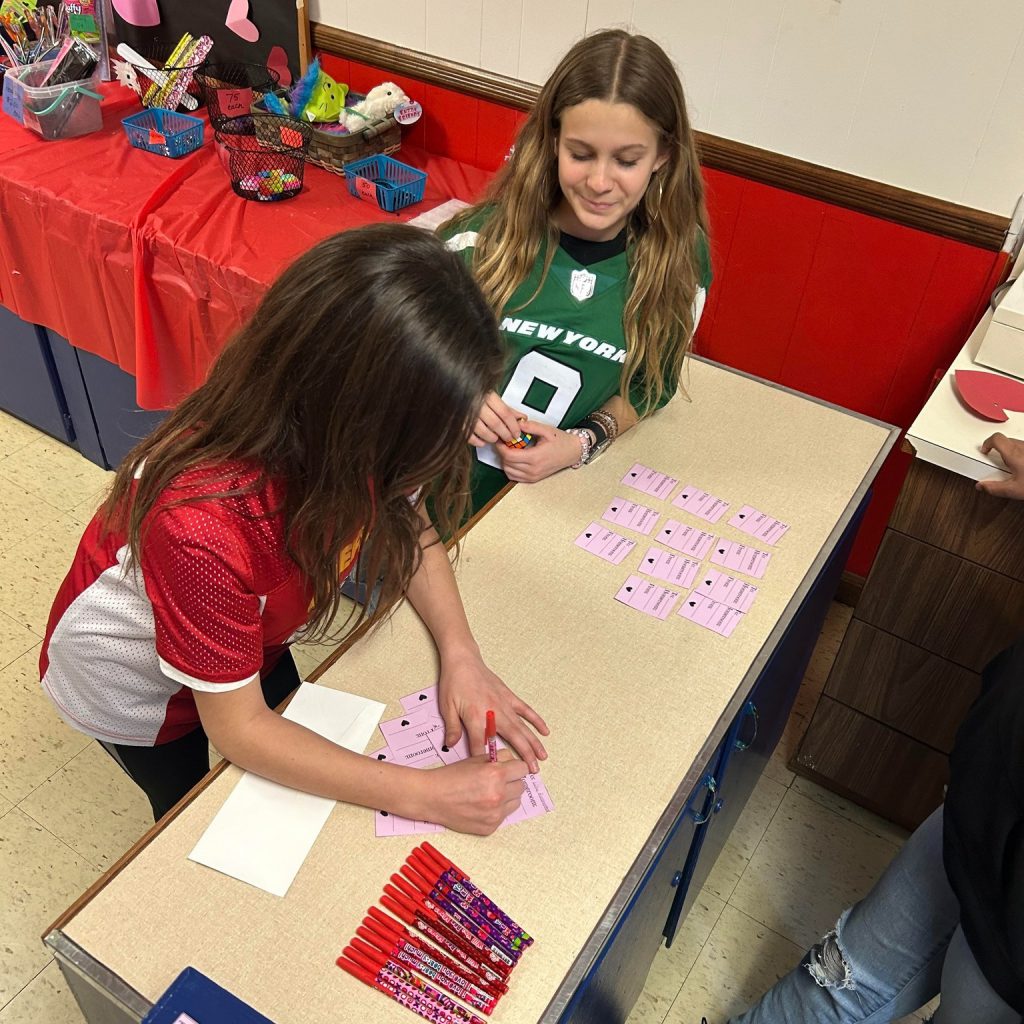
point(242, 30)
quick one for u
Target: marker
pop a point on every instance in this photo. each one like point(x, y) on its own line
point(490, 736)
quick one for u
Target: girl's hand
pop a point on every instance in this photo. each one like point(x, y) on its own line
point(553, 450)
point(496, 422)
point(1012, 453)
point(467, 690)
point(473, 796)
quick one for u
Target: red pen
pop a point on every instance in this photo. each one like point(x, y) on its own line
point(389, 930)
point(428, 923)
point(460, 961)
point(490, 737)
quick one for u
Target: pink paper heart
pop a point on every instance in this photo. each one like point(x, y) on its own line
point(239, 23)
point(989, 395)
point(143, 13)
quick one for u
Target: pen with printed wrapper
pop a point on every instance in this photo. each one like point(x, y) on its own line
point(372, 944)
point(443, 864)
point(491, 738)
point(462, 892)
point(393, 931)
point(429, 924)
point(494, 953)
point(407, 995)
point(469, 915)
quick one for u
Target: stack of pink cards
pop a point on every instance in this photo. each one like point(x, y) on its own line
point(416, 739)
point(759, 525)
point(701, 504)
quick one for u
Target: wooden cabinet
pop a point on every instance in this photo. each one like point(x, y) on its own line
point(945, 595)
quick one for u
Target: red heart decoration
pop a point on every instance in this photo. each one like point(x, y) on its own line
point(989, 395)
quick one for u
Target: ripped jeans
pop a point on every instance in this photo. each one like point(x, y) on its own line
point(890, 954)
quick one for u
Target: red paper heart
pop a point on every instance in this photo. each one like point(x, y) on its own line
point(989, 395)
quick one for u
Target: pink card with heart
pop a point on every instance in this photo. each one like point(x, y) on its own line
point(728, 590)
point(688, 540)
point(740, 558)
point(710, 614)
point(633, 516)
point(647, 597)
point(701, 504)
point(669, 567)
point(759, 525)
point(605, 543)
point(649, 481)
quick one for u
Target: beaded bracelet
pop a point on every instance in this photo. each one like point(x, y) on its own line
point(585, 444)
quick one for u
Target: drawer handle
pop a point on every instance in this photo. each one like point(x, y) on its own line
point(749, 711)
point(676, 879)
point(711, 786)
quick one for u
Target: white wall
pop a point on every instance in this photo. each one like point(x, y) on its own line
point(924, 94)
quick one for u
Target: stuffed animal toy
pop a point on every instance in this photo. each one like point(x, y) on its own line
point(315, 97)
point(380, 101)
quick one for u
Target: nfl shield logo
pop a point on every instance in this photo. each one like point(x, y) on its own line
point(582, 284)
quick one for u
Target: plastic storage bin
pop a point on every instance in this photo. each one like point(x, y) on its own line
point(390, 183)
point(164, 132)
point(53, 111)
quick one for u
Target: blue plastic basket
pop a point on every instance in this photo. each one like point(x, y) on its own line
point(164, 132)
point(393, 184)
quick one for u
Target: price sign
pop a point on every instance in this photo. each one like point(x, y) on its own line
point(234, 102)
point(408, 113)
point(366, 189)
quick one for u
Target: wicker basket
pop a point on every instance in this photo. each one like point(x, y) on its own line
point(332, 151)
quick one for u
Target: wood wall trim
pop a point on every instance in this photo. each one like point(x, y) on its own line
point(902, 206)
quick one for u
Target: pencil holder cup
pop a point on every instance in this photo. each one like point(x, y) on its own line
point(265, 156)
point(170, 85)
point(230, 89)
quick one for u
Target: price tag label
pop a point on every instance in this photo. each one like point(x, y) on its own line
point(157, 138)
point(366, 189)
point(234, 102)
point(14, 98)
point(408, 113)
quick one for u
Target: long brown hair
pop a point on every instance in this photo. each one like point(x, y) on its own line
point(665, 230)
point(355, 382)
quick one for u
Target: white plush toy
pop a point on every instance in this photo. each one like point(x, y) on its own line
point(378, 103)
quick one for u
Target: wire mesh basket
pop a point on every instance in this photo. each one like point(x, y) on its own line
point(230, 88)
point(265, 156)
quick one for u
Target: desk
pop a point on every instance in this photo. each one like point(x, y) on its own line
point(153, 263)
point(641, 713)
point(945, 595)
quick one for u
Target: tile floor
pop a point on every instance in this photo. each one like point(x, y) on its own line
point(797, 857)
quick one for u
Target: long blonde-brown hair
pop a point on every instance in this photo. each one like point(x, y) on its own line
point(354, 383)
point(666, 233)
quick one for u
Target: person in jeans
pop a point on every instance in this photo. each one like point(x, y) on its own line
point(947, 917)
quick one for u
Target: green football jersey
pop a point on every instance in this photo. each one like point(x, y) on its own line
point(566, 345)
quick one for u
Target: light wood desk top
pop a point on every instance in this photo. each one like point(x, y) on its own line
point(635, 705)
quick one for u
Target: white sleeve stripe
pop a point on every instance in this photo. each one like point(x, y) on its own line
point(202, 684)
point(463, 240)
point(698, 306)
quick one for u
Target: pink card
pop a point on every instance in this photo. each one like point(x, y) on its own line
point(686, 539)
point(383, 824)
point(536, 800)
point(421, 699)
point(759, 525)
point(650, 481)
point(629, 514)
point(413, 726)
point(605, 543)
point(731, 555)
point(728, 590)
point(647, 597)
point(670, 568)
point(449, 755)
point(710, 614)
point(416, 753)
point(701, 504)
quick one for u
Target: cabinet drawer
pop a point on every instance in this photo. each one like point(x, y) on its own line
point(878, 767)
point(946, 510)
point(941, 602)
point(902, 685)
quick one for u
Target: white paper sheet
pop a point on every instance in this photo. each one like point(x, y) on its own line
point(263, 831)
point(432, 219)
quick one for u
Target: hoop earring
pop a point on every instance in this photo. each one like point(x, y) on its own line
point(653, 216)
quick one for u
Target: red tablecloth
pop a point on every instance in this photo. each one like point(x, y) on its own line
point(153, 263)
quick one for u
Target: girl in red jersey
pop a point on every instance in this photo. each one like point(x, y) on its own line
point(321, 432)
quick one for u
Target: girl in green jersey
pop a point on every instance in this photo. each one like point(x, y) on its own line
point(591, 247)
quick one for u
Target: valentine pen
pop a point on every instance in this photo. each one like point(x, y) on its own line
point(491, 738)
